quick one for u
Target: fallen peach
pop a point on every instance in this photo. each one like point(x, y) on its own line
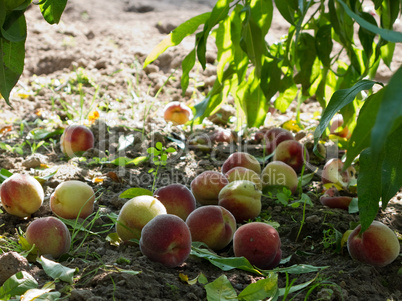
point(207, 185)
point(135, 214)
point(259, 243)
point(278, 174)
point(377, 246)
point(50, 236)
point(21, 195)
point(332, 199)
point(337, 129)
point(213, 225)
point(293, 153)
point(242, 198)
point(332, 173)
point(166, 239)
point(76, 139)
point(242, 173)
point(72, 199)
point(241, 159)
point(177, 113)
point(177, 199)
point(272, 137)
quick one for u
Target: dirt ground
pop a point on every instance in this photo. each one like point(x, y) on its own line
point(92, 61)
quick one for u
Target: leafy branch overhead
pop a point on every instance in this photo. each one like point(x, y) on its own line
point(13, 35)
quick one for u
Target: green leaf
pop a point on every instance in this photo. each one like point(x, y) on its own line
point(256, 105)
point(295, 288)
point(133, 192)
point(224, 44)
point(176, 36)
point(187, 64)
point(15, 27)
point(287, 8)
point(41, 295)
point(220, 289)
point(386, 34)
point(12, 55)
point(339, 99)
point(56, 270)
point(17, 285)
point(368, 187)
point(262, 289)
point(324, 44)
point(4, 175)
point(392, 166)
point(52, 10)
point(361, 135)
point(300, 269)
point(42, 134)
point(159, 146)
point(390, 112)
point(262, 13)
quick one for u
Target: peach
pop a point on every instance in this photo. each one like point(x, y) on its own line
point(293, 153)
point(212, 225)
point(21, 195)
point(76, 139)
point(241, 159)
point(72, 199)
point(50, 236)
point(332, 199)
point(223, 135)
point(377, 246)
point(337, 129)
point(242, 173)
point(272, 137)
point(135, 214)
point(278, 174)
point(259, 243)
point(333, 173)
point(242, 198)
point(177, 199)
point(166, 239)
point(177, 113)
point(207, 185)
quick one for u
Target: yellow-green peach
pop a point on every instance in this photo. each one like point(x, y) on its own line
point(242, 173)
point(72, 199)
point(21, 195)
point(135, 214)
point(278, 174)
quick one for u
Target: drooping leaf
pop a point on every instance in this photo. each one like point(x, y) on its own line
point(56, 270)
point(287, 9)
point(4, 175)
point(386, 34)
point(256, 105)
point(225, 46)
point(16, 285)
point(324, 44)
point(220, 290)
point(52, 10)
point(187, 64)
point(176, 36)
point(14, 27)
point(133, 192)
point(262, 289)
point(42, 294)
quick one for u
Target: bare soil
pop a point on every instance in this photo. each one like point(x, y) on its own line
point(92, 61)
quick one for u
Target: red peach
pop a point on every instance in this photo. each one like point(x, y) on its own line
point(332, 199)
point(50, 236)
point(135, 214)
point(241, 159)
point(177, 113)
point(242, 198)
point(166, 239)
point(242, 173)
point(221, 135)
point(177, 199)
point(259, 243)
point(272, 137)
point(76, 139)
point(72, 199)
point(207, 185)
point(377, 246)
point(21, 195)
point(293, 153)
point(278, 174)
point(212, 225)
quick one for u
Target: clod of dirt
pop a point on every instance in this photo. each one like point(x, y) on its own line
point(11, 263)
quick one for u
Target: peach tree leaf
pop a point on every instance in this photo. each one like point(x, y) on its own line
point(187, 64)
point(262, 289)
point(56, 270)
point(14, 28)
point(16, 285)
point(133, 192)
point(52, 10)
point(220, 289)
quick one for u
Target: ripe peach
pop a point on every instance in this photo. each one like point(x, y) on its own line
point(21, 195)
point(336, 127)
point(72, 199)
point(242, 173)
point(259, 243)
point(293, 153)
point(212, 225)
point(207, 185)
point(241, 159)
point(177, 113)
point(76, 139)
point(332, 173)
point(135, 214)
point(177, 199)
point(278, 174)
point(377, 246)
point(166, 239)
point(242, 198)
point(273, 137)
point(223, 135)
point(332, 199)
point(50, 236)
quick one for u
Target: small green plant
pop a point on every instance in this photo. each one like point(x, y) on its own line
point(159, 156)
